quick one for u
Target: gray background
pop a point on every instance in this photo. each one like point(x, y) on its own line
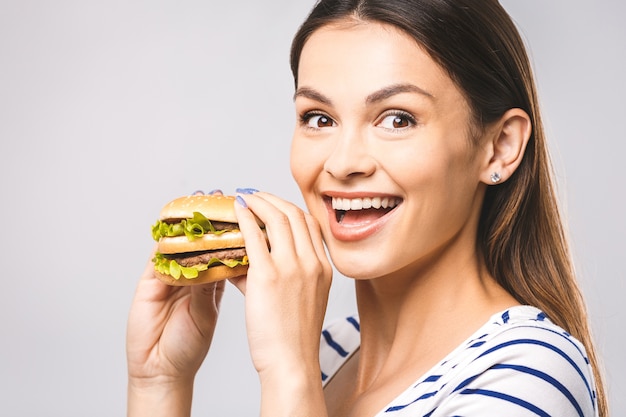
point(108, 109)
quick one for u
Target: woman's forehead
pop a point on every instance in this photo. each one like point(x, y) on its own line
point(368, 56)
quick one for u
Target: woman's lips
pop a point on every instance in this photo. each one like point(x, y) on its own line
point(357, 218)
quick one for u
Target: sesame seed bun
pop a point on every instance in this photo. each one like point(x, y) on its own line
point(214, 207)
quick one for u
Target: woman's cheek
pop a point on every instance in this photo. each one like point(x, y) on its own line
point(305, 164)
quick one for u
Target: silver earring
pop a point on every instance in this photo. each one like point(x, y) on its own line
point(496, 177)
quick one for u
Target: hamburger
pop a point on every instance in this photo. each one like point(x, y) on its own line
point(198, 241)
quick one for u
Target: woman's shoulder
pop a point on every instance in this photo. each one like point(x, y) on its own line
point(520, 359)
point(527, 334)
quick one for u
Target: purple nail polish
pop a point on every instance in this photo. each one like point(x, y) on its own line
point(239, 199)
point(246, 190)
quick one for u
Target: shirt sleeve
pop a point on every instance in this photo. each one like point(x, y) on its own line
point(339, 340)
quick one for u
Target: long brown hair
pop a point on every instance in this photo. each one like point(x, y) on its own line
point(521, 233)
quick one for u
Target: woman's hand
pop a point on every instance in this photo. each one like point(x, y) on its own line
point(286, 292)
point(168, 336)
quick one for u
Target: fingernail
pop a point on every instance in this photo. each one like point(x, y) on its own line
point(216, 191)
point(246, 190)
point(198, 192)
point(239, 199)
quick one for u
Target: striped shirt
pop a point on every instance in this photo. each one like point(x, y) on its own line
point(517, 364)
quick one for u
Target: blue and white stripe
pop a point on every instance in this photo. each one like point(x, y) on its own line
point(518, 364)
point(339, 341)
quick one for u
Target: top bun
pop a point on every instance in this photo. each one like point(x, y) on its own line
point(213, 207)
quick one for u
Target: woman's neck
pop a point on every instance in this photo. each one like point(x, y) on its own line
point(420, 314)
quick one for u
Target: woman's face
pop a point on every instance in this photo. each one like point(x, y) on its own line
point(382, 150)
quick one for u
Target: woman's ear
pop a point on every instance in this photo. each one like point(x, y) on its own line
point(508, 138)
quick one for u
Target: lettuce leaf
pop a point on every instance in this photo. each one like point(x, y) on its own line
point(193, 228)
point(173, 268)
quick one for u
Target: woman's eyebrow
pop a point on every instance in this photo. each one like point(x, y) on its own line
point(312, 94)
point(392, 90)
point(376, 96)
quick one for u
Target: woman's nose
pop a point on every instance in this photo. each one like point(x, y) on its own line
point(350, 156)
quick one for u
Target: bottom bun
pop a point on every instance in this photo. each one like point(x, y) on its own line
point(214, 273)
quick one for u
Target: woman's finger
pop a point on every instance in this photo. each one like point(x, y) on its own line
point(278, 223)
point(285, 220)
point(239, 283)
point(305, 229)
point(317, 240)
point(152, 289)
point(255, 238)
point(204, 305)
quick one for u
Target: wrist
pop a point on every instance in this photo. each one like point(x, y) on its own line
point(292, 391)
point(157, 397)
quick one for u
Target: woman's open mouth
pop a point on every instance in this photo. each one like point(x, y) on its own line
point(357, 218)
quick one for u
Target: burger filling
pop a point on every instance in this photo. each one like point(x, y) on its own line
point(193, 228)
point(190, 264)
point(196, 258)
point(182, 266)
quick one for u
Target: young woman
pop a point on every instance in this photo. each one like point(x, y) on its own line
point(420, 154)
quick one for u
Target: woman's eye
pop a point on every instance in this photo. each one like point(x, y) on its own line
point(317, 121)
point(397, 121)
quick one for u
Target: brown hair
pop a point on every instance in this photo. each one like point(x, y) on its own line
point(520, 233)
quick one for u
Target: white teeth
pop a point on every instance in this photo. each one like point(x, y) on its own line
point(364, 203)
point(344, 204)
point(356, 204)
